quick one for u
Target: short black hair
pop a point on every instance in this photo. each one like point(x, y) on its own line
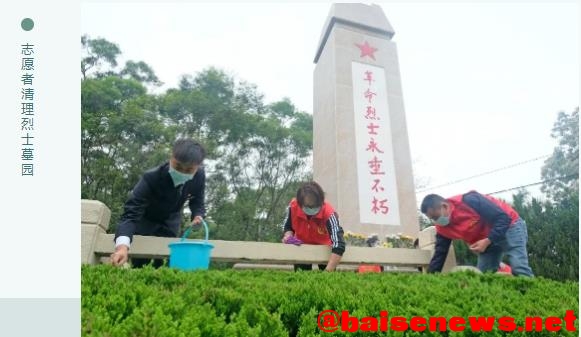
point(311, 188)
point(188, 151)
point(431, 201)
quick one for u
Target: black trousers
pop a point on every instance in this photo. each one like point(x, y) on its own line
point(309, 267)
point(141, 262)
point(149, 228)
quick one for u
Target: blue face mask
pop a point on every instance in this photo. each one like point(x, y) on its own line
point(443, 220)
point(178, 177)
point(311, 211)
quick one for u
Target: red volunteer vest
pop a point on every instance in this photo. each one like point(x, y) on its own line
point(314, 230)
point(465, 224)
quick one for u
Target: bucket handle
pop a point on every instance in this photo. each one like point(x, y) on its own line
point(187, 232)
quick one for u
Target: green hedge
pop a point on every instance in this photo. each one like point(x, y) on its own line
point(167, 303)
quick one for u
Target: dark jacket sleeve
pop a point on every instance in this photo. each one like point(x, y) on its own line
point(491, 213)
point(440, 254)
point(336, 234)
point(134, 209)
point(287, 226)
point(197, 202)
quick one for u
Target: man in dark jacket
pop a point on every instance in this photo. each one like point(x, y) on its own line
point(155, 205)
point(489, 226)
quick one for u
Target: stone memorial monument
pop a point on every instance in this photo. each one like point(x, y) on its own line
point(361, 148)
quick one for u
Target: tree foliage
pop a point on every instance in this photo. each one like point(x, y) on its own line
point(561, 170)
point(257, 153)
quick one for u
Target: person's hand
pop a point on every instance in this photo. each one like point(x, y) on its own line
point(287, 235)
point(196, 222)
point(480, 245)
point(334, 260)
point(121, 255)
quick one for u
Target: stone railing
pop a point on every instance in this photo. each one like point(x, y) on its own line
point(97, 245)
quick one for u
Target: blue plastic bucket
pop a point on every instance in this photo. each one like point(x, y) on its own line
point(190, 255)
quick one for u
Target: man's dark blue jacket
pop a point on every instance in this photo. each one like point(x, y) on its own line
point(155, 205)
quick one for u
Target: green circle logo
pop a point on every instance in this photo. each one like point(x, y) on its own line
point(27, 24)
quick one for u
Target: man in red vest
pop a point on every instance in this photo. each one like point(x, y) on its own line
point(490, 227)
point(312, 220)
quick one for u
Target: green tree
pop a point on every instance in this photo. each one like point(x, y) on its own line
point(141, 72)
point(553, 229)
point(263, 170)
point(561, 170)
point(96, 53)
point(122, 133)
point(121, 136)
point(257, 153)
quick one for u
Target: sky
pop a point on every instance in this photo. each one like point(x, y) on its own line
point(482, 82)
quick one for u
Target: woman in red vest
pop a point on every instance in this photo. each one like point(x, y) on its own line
point(490, 227)
point(311, 220)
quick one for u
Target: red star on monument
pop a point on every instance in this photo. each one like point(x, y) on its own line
point(366, 50)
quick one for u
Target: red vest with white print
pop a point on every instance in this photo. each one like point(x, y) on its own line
point(314, 230)
point(465, 224)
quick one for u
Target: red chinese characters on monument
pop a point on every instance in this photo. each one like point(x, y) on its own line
point(375, 166)
point(378, 204)
point(371, 113)
point(369, 95)
point(371, 128)
point(373, 146)
point(369, 77)
point(376, 187)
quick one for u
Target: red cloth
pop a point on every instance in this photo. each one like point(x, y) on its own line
point(505, 268)
point(369, 269)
